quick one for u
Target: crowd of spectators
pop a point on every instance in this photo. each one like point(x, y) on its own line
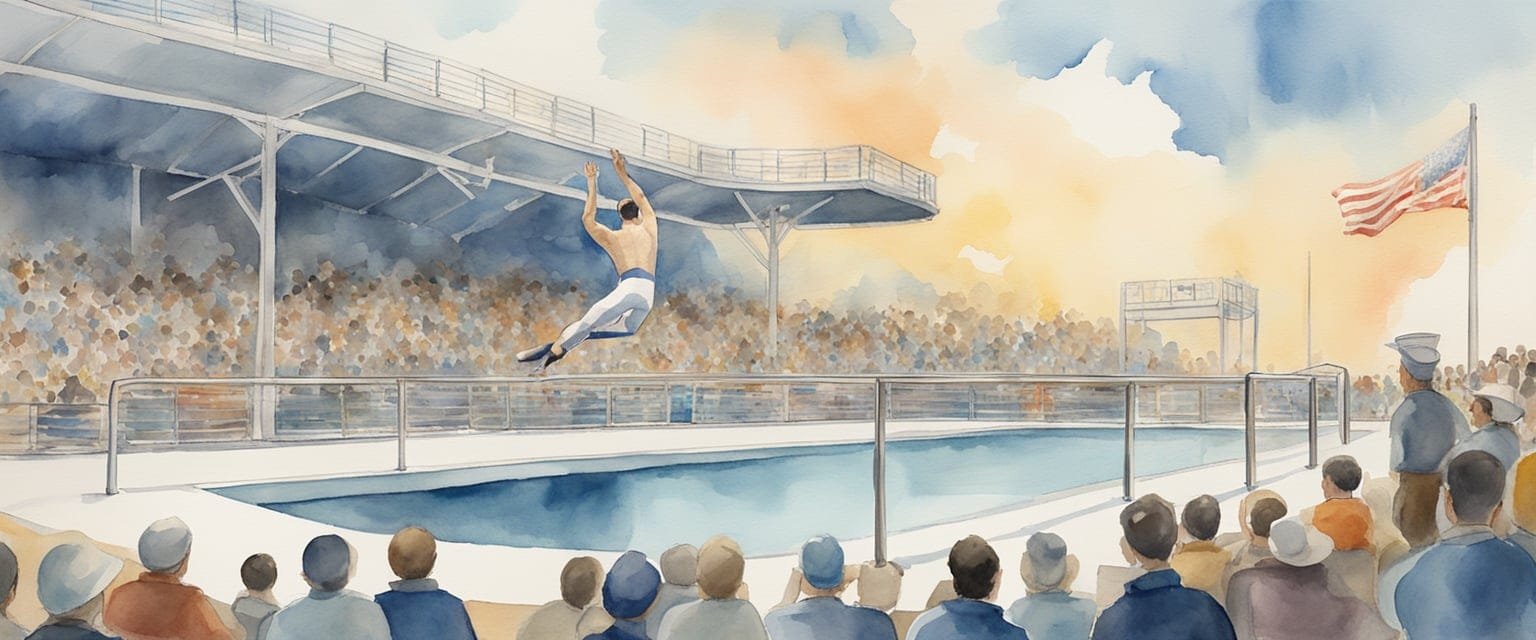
point(1337, 569)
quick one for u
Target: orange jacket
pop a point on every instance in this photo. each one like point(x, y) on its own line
point(158, 606)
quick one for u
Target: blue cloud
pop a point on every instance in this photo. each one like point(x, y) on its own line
point(636, 31)
point(458, 18)
point(1231, 68)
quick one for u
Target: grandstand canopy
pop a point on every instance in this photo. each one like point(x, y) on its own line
point(184, 87)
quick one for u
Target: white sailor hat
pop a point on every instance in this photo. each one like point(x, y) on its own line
point(1506, 407)
point(1419, 352)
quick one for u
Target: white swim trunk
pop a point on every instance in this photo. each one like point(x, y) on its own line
point(618, 314)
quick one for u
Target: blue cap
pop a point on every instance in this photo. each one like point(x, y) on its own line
point(631, 586)
point(821, 560)
point(328, 562)
point(1419, 352)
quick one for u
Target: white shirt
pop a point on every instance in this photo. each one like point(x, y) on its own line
point(713, 620)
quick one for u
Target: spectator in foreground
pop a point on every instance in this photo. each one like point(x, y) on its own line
point(680, 576)
point(1287, 596)
point(414, 605)
point(879, 585)
point(822, 615)
point(1200, 563)
point(1255, 514)
point(557, 620)
point(1424, 428)
point(72, 582)
point(9, 570)
point(1049, 611)
point(330, 611)
point(256, 604)
point(1471, 584)
point(1524, 497)
point(1494, 411)
point(1156, 606)
point(977, 575)
point(158, 605)
point(628, 592)
point(1342, 517)
point(720, 614)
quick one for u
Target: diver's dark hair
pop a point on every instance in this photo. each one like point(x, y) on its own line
point(628, 210)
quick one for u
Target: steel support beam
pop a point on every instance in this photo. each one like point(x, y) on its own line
point(266, 334)
point(136, 210)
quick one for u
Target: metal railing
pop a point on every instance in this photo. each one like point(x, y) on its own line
point(315, 42)
point(420, 406)
point(39, 427)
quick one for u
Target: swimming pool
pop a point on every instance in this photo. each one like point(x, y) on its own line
point(769, 500)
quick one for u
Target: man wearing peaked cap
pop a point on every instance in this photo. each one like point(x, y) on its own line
point(1424, 428)
point(822, 614)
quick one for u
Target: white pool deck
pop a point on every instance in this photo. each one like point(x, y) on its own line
point(66, 493)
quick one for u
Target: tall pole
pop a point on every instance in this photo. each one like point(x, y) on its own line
point(266, 327)
point(1472, 241)
point(773, 289)
point(1309, 308)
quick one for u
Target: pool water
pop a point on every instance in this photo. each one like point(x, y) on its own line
point(771, 501)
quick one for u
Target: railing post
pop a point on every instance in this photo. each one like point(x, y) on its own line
point(400, 423)
point(786, 403)
point(159, 13)
point(1203, 417)
point(437, 77)
point(1250, 433)
point(1128, 477)
point(1344, 391)
point(879, 472)
point(668, 390)
point(176, 414)
point(1312, 422)
point(971, 412)
point(593, 111)
point(386, 61)
point(484, 101)
point(31, 426)
point(509, 408)
point(234, 15)
point(342, 399)
point(824, 166)
point(112, 439)
point(608, 408)
point(330, 42)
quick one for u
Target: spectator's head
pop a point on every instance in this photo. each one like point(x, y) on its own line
point(1341, 475)
point(1150, 528)
point(258, 572)
point(1524, 494)
point(1202, 518)
point(631, 586)
point(821, 562)
point(579, 581)
point(721, 565)
point(1474, 487)
point(680, 565)
point(165, 545)
point(8, 573)
point(1482, 410)
point(1297, 544)
point(328, 563)
point(880, 585)
point(976, 570)
point(72, 579)
point(1046, 565)
point(1258, 510)
point(1498, 402)
point(412, 553)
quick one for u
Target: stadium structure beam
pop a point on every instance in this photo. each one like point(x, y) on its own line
point(301, 127)
point(332, 166)
point(47, 39)
point(333, 97)
point(774, 228)
point(495, 216)
point(245, 204)
point(136, 210)
point(266, 334)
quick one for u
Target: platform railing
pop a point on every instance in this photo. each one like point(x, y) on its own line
point(421, 73)
point(52, 427)
point(414, 394)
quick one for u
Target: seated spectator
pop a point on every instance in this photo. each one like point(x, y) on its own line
point(1524, 505)
point(1470, 584)
point(628, 593)
point(679, 580)
point(721, 614)
point(1257, 511)
point(1341, 516)
point(1113, 578)
point(1200, 563)
point(977, 575)
point(1287, 596)
point(256, 604)
point(879, 585)
point(414, 606)
point(158, 604)
point(9, 570)
point(1049, 611)
point(330, 611)
point(1389, 543)
point(72, 582)
point(822, 614)
point(1495, 408)
point(557, 620)
point(1156, 606)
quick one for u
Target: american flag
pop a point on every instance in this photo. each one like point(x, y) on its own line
point(1438, 180)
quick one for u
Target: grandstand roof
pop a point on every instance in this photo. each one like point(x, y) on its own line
point(185, 87)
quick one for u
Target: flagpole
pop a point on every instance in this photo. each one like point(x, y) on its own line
point(1472, 241)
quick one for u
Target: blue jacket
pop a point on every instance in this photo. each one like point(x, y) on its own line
point(68, 630)
point(1470, 585)
point(1156, 606)
point(827, 618)
point(1053, 615)
point(418, 610)
point(964, 619)
point(622, 630)
point(1423, 429)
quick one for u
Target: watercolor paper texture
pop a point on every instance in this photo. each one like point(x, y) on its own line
point(608, 318)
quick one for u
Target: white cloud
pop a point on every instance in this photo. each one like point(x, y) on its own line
point(1119, 120)
point(947, 142)
point(984, 261)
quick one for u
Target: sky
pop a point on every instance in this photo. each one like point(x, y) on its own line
point(1079, 145)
